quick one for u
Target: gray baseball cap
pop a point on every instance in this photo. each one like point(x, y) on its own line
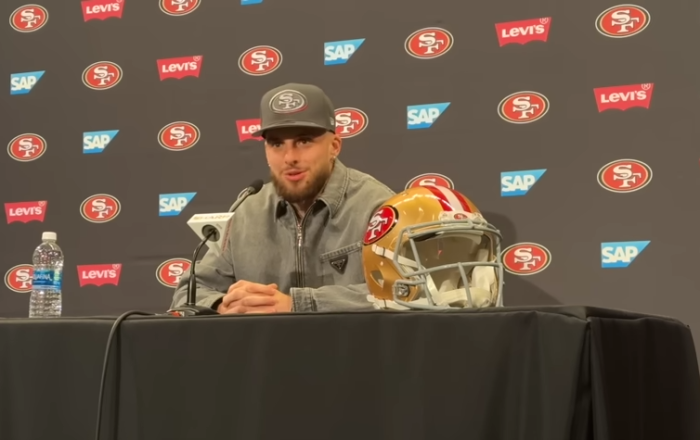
point(296, 105)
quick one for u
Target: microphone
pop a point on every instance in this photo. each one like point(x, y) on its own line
point(211, 232)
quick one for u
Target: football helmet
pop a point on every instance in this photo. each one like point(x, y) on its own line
point(429, 247)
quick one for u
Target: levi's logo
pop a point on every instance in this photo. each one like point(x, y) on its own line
point(25, 212)
point(523, 32)
point(102, 9)
point(179, 68)
point(99, 274)
point(623, 97)
point(246, 128)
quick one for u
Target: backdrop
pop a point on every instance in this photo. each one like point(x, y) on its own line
point(572, 125)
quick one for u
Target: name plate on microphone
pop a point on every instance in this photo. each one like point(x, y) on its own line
point(200, 223)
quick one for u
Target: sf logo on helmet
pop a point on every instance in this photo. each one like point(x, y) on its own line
point(381, 223)
point(288, 101)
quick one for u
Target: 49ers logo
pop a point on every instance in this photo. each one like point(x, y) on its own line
point(430, 179)
point(622, 21)
point(178, 8)
point(102, 75)
point(170, 271)
point(624, 176)
point(525, 258)
point(260, 60)
point(29, 18)
point(382, 222)
point(523, 107)
point(100, 208)
point(350, 121)
point(26, 147)
point(178, 136)
point(19, 278)
point(429, 43)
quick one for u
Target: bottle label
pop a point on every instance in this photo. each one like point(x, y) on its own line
point(57, 280)
point(47, 279)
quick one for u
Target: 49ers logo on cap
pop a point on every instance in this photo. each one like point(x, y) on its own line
point(170, 271)
point(622, 21)
point(29, 18)
point(525, 258)
point(102, 75)
point(260, 60)
point(100, 208)
point(382, 222)
point(179, 7)
point(624, 176)
point(430, 179)
point(19, 278)
point(429, 43)
point(26, 147)
point(288, 101)
point(178, 136)
point(350, 121)
point(523, 107)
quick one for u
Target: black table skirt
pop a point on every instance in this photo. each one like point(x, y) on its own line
point(545, 373)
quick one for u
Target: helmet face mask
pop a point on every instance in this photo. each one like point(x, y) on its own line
point(450, 261)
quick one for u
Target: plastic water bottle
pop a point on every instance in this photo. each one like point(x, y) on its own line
point(45, 300)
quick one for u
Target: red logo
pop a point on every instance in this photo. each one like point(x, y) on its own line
point(178, 136)
point(178, 8)
point(170, 271)
point(25, 212)
point(526, 258)
point(100, 208)
point(102, 9)
point(99, 274)
point(260, 60)
point(102, 75)
point(29, 18)
point(430, 179)
point(622, 21)
point(350, 121)
point(523, 107)
point(523, 32)
point(246, 128)
point(19, 278)
point(624, 176)
point(179, 68)
point(623, 97)
point(381, 223)
point(27, 147)
point(429, 43)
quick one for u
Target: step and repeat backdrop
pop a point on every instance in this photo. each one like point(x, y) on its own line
point(572, 125)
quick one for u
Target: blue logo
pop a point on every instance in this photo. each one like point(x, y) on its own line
point(172, 204)
point(95, 142)
point(339, 52)
point(423, 116)
point(518, 183)
point(620, 254)
point(23, 83)
point(250, 2)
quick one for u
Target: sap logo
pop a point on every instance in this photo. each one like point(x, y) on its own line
point(23, 83)
point(339, 52)
point(518, 183)
point(621, 254)
point(96, 141)
point(173, 204)
point(423, 116)
point(250, 2)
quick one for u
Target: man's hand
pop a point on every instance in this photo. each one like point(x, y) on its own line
point(247, 297)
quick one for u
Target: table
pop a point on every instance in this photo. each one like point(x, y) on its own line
point(526, 373)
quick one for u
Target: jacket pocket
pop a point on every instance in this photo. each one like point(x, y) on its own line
point(343, 266)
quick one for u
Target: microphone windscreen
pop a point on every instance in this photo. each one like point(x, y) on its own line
point(256, 186)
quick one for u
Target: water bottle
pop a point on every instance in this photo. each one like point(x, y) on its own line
point(45, 299)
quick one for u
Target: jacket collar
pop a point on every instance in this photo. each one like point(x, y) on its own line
point(333, 193)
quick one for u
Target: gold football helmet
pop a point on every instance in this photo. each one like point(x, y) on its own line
point(429, 247)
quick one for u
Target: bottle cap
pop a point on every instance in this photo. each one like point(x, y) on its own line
point(48, 236)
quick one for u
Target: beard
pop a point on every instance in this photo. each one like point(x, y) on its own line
point(304, 191)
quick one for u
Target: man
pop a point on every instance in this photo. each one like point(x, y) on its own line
point(296, 245)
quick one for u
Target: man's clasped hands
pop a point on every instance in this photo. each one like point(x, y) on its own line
point(245, 297)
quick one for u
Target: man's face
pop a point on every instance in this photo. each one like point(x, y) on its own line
point(301, 161)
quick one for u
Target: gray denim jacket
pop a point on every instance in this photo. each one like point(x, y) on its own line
point(317, 262)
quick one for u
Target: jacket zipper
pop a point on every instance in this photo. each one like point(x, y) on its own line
point(300, 257)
